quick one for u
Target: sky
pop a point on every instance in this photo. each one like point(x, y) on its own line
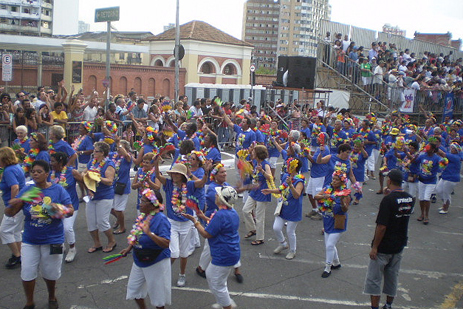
point(425, 16)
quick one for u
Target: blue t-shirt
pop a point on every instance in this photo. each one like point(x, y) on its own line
point(337, 139)
point(39, 228)
point(429, 167)
point(259, 136)
point(168, 189)
point(139, 176)
point(316, 129)
point(86, 144)
point(213, 154)
point(100, 137)
point(70, 186)
point(336, 164)
point(225, 241)
point(319, 170)
point(371, 137)
point(200, 193)
point(392, 160)
point(210, 198)
point(122, 172)
point(43, 155)
point(452, 171)
point(62, 146)
point(292, 208)
point(160, 226)
point(244, 139)
point(103, 192)
point(272, 150)
point(257, 194)
point(328, 219)
point(377, 133)
point(358, 165)
point(26, 146)
point(12, 175)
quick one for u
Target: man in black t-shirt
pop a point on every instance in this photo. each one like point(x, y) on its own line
point(389, 240)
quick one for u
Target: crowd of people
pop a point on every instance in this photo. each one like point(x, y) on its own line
point(47, 174)
point(385, 71)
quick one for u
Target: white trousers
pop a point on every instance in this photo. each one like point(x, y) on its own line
point(11, 228)
point(205, 258)
point(69, 228)
point(278, 225)
point(180, 234)
point(444, 190)
point(372, 159)
point(97, 213)
point(217, 279)
point(411, 188)
point(35, 257)
point(331, 239)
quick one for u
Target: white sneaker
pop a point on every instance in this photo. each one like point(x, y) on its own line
point(217, 306)
point(443, 212)
point(71, 255)
point(181, 280)
point(290, 255)
point(280, 248)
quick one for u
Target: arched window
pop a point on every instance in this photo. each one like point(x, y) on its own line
point(92, 82)
point(229, 69)
point(151, 87)
point(166, 87)
point(158, 63)
point(137, 85)
point(207, 68)
point(123, 85)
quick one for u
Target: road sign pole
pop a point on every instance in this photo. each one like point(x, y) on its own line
point(108, 64)
point(177, 53)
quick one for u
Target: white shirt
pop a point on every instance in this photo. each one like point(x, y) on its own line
point(90, 113)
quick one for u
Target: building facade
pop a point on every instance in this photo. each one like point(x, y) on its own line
point(32, 17)
point(283, 28)
point(387, 28)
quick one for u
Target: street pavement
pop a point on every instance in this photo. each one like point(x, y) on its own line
point(431, 274)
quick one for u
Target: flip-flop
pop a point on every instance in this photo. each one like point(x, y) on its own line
point(112, 249)
point(426, 221)
point(420, 219)
point(94, 249)
point(250, 234)
point(119, 232)
point(257, 242)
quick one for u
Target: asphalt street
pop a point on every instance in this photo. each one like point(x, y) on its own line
point(431, 274)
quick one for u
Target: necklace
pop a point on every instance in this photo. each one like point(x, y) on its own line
point(137, 229)
point(96, 167)
point(30, 158)
point(179, 202)
point(284, 187)
point(78, 141)
point(117, 161)
point(62, 177)
point(51, 147)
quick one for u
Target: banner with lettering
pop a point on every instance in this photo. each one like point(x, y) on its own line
point(448, 107)
point(407, 105)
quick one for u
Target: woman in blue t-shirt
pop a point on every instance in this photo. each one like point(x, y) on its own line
point(122, 160)
point(224, 241)
point(150, 239)
point(56, 134)
point(42, 246)
point(62, 175)
point(334, 203)
point(38, 151)
point(257, 202)
point(99, 179)
point(450, 177)
point(12, 180)
point(290, 189)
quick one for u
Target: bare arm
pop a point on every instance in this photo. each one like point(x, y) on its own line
point(161, 178)
point(379, 234)
point(109, 176)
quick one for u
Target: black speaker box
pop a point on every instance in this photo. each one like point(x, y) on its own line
point(301, 72)
point(281, 69)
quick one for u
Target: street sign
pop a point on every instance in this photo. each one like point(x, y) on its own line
point(105, 83)
point(107, 14)
point(252, 68)
point(7, 67)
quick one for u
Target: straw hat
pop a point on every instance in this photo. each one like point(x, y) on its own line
point(179, 168)
point(91, 179)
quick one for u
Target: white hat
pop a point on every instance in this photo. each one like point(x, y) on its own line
point(227, 195)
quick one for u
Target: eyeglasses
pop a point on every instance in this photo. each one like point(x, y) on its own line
point(97, 151)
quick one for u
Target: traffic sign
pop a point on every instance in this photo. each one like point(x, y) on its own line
point(7, 67)
point(107, 14)
point(252, 68)
point(105, 83)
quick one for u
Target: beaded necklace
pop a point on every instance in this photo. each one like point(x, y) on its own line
point(137, 228)
point(78, 141)
point(284, 187)
point(117, 161)
point(96, 167)
point(206, 151)
point(179, 202)
point(62, 177)
point(30, 158)
point(51, 147)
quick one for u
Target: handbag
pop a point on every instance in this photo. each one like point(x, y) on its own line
point(120, 188)
point(147, 255)
point(340, 222)
point(279, 206)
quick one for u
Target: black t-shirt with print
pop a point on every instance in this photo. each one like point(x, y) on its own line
point(394, 212)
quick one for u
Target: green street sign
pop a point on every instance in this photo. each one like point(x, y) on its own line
point(107, 14)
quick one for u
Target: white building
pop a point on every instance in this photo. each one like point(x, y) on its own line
point(31, 17)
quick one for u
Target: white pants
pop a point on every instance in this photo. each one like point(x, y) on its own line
point(98, 215)
point(331, 239)
point(444, 190)
point(35, 257)
point(155, 281)
point(194, 239)
point(11, 228)
point(278, 225)
point(259, 211)
point(217, 279)
point(314, 185)
point(120, 202)
point(425, 191)
point(206, 258)
point(411, 188)
point(69, 228)
point(180, 234)
point(372, 159)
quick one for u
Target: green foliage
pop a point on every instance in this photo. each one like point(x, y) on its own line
point(265, 71)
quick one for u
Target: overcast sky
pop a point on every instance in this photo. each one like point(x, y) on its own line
point(425, 16)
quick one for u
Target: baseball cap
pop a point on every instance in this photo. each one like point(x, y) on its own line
point(395, 176)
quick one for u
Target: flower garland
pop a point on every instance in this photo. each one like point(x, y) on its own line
point(149, 194)
point(208, 150)
point(215, 170)
point(271, 185)
point(30, 158)
point(51, 147)
point(179, 202)
point(75, 145)
point(284, 187)
point(62, 177)
point(111, 126)
point(117, 161)
point(96, 167)
point(137, 228)
point(199, 155)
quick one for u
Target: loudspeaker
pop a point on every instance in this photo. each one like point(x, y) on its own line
point(281, 69)
point(301, 72)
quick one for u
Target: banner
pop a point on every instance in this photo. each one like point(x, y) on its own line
point(448, 107)
point(407, 105)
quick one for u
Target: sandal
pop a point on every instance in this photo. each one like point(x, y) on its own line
point(250, 234)
point(94, 249)
point(420, 219)
point(355, 203)
point(257, 242)
point(426, 221)
point(117, 232)
point(110, 249)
